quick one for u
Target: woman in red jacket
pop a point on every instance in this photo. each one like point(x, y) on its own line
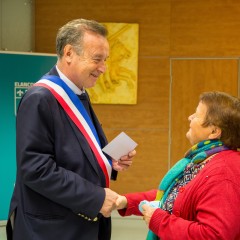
point(199, 197)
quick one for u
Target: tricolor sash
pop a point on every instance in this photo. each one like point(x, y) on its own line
point(78, 114)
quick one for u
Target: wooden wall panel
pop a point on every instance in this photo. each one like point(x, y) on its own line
point(147, 123)
point(153, 17)
point(152, 103)
point(189, 79)
point(205, 28)
point(168, 29)
point(149, 165)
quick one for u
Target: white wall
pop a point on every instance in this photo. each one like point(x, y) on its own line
point(16, 25)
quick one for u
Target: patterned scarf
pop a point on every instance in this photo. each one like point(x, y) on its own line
point(196, 154)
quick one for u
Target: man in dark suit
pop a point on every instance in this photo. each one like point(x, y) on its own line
point(61, 189)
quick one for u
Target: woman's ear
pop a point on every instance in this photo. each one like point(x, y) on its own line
point(216, 133)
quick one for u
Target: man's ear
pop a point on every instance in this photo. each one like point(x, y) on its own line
point(68, 53)
point(216, 133)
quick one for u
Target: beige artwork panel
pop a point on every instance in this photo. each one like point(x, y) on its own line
point(118, 85)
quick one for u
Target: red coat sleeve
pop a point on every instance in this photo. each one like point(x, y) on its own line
point(134, 199)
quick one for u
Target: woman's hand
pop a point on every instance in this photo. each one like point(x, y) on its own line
point(121, 202)
point(147, 213)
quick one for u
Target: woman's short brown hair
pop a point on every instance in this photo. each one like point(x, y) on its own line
point(223, 112)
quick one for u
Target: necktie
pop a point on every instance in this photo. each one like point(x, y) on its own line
point(83, 98)
point(85, 102)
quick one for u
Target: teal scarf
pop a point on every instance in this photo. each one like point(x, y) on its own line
point(196, 154)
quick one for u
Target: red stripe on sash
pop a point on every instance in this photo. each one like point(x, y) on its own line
point(80, 127)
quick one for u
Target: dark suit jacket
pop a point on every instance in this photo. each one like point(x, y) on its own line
point(59, 185)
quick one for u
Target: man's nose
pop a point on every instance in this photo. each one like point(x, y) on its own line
point(102, 67)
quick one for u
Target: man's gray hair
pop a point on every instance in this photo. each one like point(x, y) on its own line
point(72, 33)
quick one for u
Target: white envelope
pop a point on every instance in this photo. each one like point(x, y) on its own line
point(120, 146)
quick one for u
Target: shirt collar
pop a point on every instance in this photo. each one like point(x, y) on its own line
point(70, 84)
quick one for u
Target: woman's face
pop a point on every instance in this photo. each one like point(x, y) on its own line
point(197, 132)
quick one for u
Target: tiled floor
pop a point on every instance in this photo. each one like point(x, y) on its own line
point(2, 230)
point(127, 228)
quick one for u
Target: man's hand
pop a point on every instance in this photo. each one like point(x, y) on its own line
point(109, 203)
point(124, 162)
point(121, 202)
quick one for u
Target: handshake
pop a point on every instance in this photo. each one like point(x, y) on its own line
point(112, 199)
point(112, 202)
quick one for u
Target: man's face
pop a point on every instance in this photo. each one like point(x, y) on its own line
point(91, 63)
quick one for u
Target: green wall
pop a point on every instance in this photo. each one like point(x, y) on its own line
point(18, 71)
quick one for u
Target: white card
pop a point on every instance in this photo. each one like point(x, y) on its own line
point(120, 146)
